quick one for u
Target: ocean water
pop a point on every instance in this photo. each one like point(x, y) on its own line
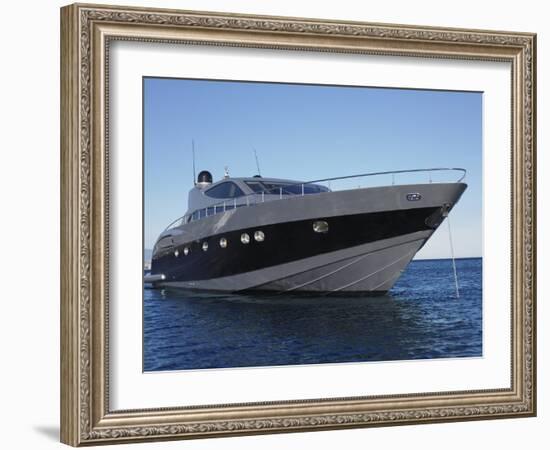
point(420, 318)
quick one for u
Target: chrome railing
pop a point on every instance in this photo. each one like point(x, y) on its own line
point(300, 189)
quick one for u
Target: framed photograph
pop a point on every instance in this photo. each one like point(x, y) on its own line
point(275, 224)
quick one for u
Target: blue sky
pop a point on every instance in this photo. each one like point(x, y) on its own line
point(307, 132)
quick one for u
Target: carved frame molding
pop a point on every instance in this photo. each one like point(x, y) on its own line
point(86, 32)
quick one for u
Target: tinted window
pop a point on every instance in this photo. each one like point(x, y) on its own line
point(276, 188)
point(285, 189)
point(256, 186)
point(225, 190)
point(295, 189)
point(315, 189)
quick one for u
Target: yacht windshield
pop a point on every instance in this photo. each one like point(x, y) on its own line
point(227, 189)
point(256, 186)
point(285, 189)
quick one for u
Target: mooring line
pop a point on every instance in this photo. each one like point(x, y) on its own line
point(453, 256)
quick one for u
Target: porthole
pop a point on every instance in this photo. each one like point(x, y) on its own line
point(204, 246)
point(245, 238)
point(186, 251)
point(320, 226)
point(259, 236)
point(223, 242)
point(176, 253)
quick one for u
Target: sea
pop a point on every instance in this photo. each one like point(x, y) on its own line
point(420, 318)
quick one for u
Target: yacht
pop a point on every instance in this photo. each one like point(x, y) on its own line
point(279, 235)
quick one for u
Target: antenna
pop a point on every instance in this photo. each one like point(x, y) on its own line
point(257, 162)
point(193, 150)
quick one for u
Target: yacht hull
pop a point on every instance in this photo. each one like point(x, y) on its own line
point(368, 268)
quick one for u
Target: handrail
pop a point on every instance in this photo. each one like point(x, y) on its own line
point(279, 189)
point(389, 172)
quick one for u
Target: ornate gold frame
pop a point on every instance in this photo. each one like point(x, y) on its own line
point(86, 31)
